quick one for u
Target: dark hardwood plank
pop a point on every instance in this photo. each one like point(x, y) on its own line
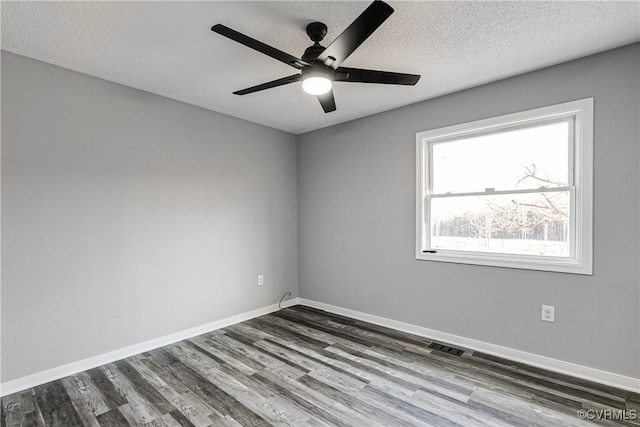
point(193, 408)
point(335, 408)
point(392, 334)
point(582, 391)
point(321, 315)
point(454, 409)
point(215, 396)
point(55, 405)
point(164, 421)
point(512, 420)
point(373, 412)
point(285, 329)
point(406, 407)
point(261, 360)
point(235, 386)
point(318, 361)
point(204, 351)
point(299, 401)
point(142, 386)
point(578, 383)
point(351, 332)
point(85, 398)
point(371, 368)
point(21, 409)
point(181, 419)
point(250, 344)
point(326, 371)
point(279, 410)
point(112, 418)
point(522, 409)
point(249, 332)
point(110, 395)
point(333, 330)
point(138, 411)
point(227, 360)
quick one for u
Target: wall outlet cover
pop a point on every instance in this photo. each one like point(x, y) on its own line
point(548, 313)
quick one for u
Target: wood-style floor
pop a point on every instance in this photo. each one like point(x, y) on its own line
point(305, 367)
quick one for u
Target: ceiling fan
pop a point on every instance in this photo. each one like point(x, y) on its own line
point(319, 66)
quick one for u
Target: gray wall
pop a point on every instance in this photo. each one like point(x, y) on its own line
point(127, 216)
point(356, 207)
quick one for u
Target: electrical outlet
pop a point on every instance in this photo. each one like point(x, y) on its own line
point(261, 280)
point(548, 313)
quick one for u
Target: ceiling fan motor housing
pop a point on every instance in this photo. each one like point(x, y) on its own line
point(316, 32)
point(312, 52)
point(317, 70)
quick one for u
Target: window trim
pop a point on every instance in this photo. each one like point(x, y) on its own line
point(580, 182)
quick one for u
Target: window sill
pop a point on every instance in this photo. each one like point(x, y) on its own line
point(558, 265)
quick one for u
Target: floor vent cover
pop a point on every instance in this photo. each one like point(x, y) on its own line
point(446, 349)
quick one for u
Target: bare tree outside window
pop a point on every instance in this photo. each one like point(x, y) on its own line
point(543, 218)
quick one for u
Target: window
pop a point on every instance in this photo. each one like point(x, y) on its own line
point(510, 191)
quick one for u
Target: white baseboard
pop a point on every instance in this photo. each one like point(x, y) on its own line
point(43, 377)
point(567, 368)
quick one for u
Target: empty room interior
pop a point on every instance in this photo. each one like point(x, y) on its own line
point(309, 213)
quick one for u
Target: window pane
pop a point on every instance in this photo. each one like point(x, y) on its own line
point(530, 223)
point(518, 159)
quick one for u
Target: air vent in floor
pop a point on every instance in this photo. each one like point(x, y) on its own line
point(446, 349)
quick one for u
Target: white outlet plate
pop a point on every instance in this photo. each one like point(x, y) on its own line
point(548, 313)
point(261, 280)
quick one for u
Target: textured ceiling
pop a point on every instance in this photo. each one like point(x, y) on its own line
point(167, 48)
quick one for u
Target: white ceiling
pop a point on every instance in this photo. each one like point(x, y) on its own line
point(167, 48)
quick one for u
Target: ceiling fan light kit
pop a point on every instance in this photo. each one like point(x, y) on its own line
point(319, 67)
point(316, 81)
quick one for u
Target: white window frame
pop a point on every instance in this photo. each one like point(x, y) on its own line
point(580, 261)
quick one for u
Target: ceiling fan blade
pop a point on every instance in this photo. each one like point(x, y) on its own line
point(356, 34)
point(259, 46)
point(275, 83)
point(359, 75)
point(327, 101)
